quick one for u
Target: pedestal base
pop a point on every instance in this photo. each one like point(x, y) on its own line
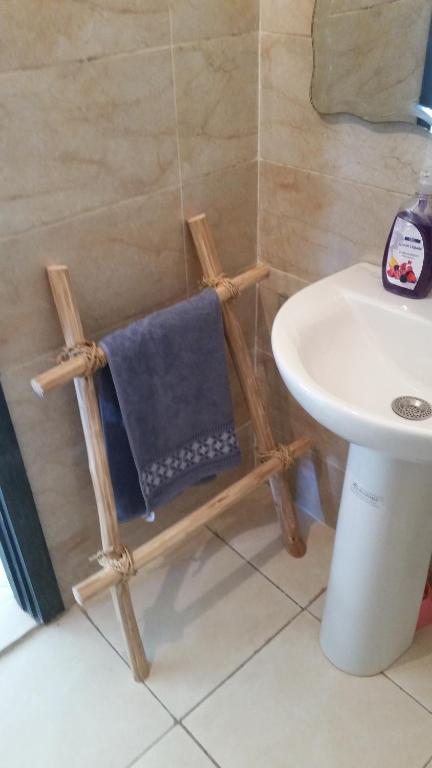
point(381, 558)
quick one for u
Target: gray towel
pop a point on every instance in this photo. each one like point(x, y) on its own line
point(167, 411)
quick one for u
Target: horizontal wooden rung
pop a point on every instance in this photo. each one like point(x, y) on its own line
point(76, 367)
point(178, 533)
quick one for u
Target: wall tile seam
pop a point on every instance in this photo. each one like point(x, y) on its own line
point(257, 228)
point(179, 158)
point(333, 177)
point(199, 42)
point(270, 33)
point(53, 351)
point(83, 60)
point(276, 270)
point(122, 54)
point(153, 192)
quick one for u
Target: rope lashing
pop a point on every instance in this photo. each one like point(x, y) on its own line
point(93, 357)
point(281, 452)
point(221, 281)
point(121, 562)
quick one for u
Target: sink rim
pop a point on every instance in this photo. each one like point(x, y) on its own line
point(352, 422)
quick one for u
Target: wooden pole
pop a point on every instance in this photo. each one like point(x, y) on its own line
point(64, 372)
point(99, 470)
point(179, 532)
point(237, 345)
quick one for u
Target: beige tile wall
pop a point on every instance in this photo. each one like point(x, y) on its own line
point(328, 191)
point(121, 119)
point(118, 119)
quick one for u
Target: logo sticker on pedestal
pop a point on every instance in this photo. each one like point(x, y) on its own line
point(367, 496)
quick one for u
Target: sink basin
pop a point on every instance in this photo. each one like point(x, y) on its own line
point(347, 349)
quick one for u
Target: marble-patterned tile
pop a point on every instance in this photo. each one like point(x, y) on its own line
point(317, 483)
point(203, 611)
point(229, 198)
point(81, 135)
point(217, 103)
point(272, 294)
point(35, 34)
point(201, 19)
point(288, 706)
point(76, 700)
point(312, 225)
point(291, 419)
point(124, 261)
point(413, 671)
point(52, 445)
point(317, 487)
point(177, 749)
point(293, 133)
point(241, 412)
point(252, 529)
point(287, 16)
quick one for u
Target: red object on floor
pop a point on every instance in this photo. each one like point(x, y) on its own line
point(425, 616)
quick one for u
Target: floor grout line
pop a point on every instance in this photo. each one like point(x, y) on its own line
point(311, 602)
point(383, 674)
point(125, 662)
point(407, 693)
point(233, 672)
point(198, 743)
point(150, 746)
point(255, 567)
point(240, 666)
point(302, 610)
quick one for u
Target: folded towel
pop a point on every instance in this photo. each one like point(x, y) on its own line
point(165, 404)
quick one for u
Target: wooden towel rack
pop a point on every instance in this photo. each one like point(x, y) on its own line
point(272, 468)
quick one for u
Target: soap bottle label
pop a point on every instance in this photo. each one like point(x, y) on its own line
point(405, 255)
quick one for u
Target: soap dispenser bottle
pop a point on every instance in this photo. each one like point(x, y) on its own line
point(407, 262)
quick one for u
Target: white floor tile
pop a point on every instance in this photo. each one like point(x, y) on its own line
point(317, 607)
point(252, 529)
point(14, 622)
point(67, 699)
point(202, 612)
point(288, 707)
point(413, 671)
point(175, 750)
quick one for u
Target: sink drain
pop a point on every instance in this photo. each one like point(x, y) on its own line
point(413, 408)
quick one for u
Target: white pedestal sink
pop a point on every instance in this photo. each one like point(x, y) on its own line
point(346, 350)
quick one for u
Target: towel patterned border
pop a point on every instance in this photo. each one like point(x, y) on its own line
point(201, 451)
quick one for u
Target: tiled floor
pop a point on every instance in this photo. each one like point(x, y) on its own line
point(14, 622)
point(238, 679)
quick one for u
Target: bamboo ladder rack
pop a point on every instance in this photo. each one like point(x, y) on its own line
point(271, 468)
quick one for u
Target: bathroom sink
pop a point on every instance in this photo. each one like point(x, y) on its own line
point(348, 351)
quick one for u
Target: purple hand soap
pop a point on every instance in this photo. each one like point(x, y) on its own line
point(407, 262)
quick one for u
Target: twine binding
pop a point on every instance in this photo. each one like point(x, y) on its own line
point(121, 562)
point(281, 452)
point(221, 281)
point(93, 356)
